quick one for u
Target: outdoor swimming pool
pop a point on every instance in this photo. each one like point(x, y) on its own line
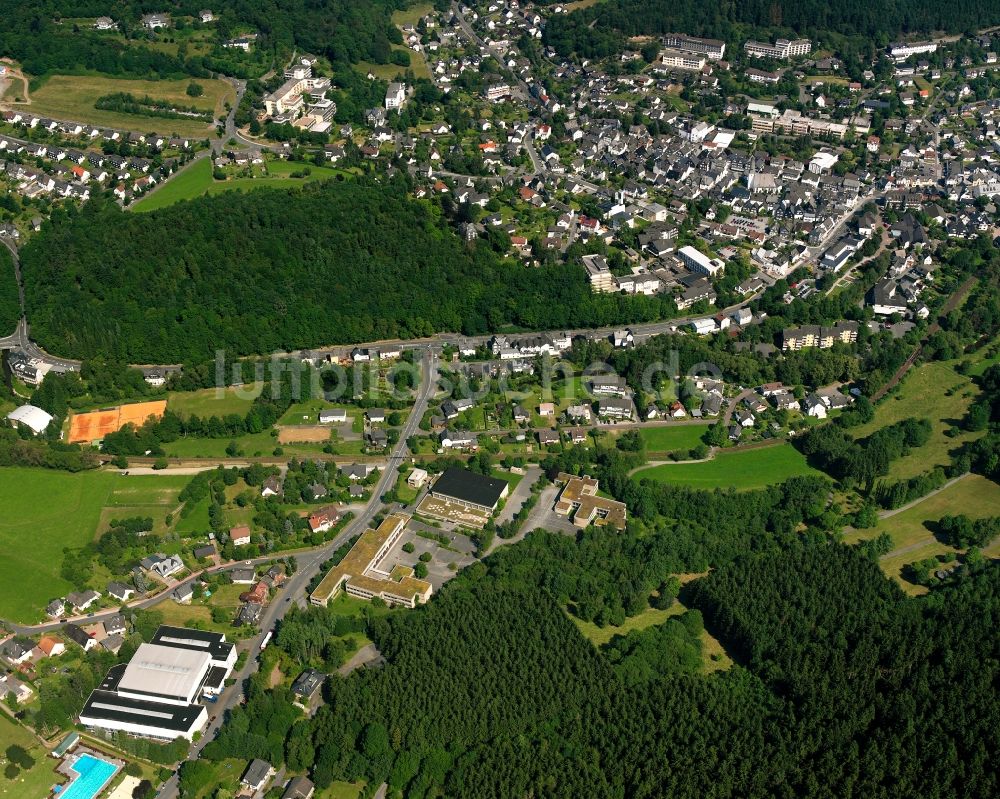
point(92, 775)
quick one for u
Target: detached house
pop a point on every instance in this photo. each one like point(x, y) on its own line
point(240, 536)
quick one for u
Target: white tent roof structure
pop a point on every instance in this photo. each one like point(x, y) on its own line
point(32, 417)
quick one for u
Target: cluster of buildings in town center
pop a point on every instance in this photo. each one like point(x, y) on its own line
point(161, 692)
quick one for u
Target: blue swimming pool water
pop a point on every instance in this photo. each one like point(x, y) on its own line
point(92, 773)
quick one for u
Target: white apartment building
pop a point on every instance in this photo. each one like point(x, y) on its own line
point(713, 49)
point(679, 59)
point(900, 51)
point(699, 262)
point(782, 49)
point(395, 96)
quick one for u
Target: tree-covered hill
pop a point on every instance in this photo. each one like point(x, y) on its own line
point(846, 689)
point(876, 20)
point(36, 34)
point(10, 307)
point(337, 262)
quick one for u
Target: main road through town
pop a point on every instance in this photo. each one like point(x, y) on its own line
point(309, 564)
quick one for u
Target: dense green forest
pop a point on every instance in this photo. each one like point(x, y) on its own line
point(252, 273)
point(10, 306)
point(601, 29)
point(344, 30)
point(845, 688)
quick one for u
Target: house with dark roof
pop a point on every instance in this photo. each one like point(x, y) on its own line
point(55, 608)
point(257, 775)
point(120, 591)
point(307, 685)
point(16, 650)
point(299, 788)
point(249, 614)
point(78, 635)
point(81, 600)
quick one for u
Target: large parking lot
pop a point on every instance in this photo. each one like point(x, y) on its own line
point(459, 552)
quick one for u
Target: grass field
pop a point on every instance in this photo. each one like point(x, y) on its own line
point(933, 391)
point(754, 468)
point(580, 4)
point(45, 511)
point(307, 412)
point(196, 179)
point(980, 367)
point(649, 617)
point(672, 439)
point(37, 781)
point(227, 597)
point(973, 495)
point(212, 402)
point(714, 657)
point(72, 97)
point(252, 444)
point(341, 790)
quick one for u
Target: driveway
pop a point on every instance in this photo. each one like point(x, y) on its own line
point(519, 495)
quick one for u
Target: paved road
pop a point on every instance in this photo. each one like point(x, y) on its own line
point(309, 566)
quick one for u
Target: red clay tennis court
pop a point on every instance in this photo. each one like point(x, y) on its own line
point(87, 427)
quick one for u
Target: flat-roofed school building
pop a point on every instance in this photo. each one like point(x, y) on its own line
point(361, 573)
point(580, 502)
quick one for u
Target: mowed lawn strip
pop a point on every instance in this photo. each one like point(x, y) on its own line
point(45, 511)
point(743, 470)
point(72, 97)
point(672, 439)
point(196, 180)
point(933, 391)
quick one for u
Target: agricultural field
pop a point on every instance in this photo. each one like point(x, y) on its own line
point(196, 180)
point(45, 511)
point(739, 469)
point(910, 529)
point(72, 97)
point(38, 779)
point(933, 391)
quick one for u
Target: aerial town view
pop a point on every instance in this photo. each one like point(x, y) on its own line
point(499, 399)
